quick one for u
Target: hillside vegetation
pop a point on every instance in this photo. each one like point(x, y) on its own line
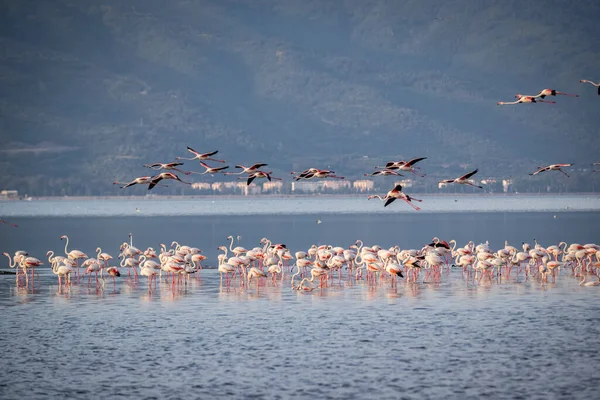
point(92, 90)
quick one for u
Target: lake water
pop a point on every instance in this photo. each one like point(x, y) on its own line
point(452, 339)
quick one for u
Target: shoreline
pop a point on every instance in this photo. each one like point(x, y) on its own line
point(288, 196)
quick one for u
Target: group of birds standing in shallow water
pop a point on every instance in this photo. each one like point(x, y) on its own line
point(320, 266)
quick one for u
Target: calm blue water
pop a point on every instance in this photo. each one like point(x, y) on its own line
point(351, 340)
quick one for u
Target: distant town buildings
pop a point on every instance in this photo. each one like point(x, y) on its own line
point(9, 195)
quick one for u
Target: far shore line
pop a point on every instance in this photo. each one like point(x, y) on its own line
point(283, 196)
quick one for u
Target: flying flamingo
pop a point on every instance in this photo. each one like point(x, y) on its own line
point(8, 223)
point(142, 180)
point(165, 175)
point(525, 99)
point(259, 175)
point(200, 156)
point(384, 172)
point(553, 167)
point(407, 166)
point(171, 166)
point(396, 193)
point(592, 83)
point(305, 172)
point(246, 170)
point(551, 92)
point(464, 180)
point(317, 173)
point(209, 170)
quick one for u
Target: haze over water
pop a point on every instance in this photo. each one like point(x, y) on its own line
point(452, 339)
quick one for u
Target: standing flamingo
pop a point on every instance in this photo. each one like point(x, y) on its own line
point(74, 255)
point(592, 83)
point(463, 180)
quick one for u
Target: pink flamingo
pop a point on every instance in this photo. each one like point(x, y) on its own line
point(553, 167)
point(209, 170)
point(525, 99)
point(246, 170)
point(396, 193)
point(74, 255)
point(384, 172)
point(551, 92)
point(200, 156)
point(142, 180)
point(407, 166)
point(170, 166)
point(592, 83)
point(165, 175)
point(8, 223)
point(259, 175)
point(463, 180)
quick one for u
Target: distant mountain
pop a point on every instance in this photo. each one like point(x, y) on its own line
point(93, 90)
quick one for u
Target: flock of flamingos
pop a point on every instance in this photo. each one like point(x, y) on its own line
point(319, 266)
point(392, 168)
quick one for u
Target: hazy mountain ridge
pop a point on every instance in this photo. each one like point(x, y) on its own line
point(118, 84)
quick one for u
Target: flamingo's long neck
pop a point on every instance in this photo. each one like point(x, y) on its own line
point(130, 240)
point(231, 244)
point(98, 256)
point(66, 245)
point(267, 244)
point(10, 261)
point(50, 256)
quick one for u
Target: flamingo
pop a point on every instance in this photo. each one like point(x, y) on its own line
point(407, 166)
point(209, 170)
point(259, 175)
point(114, 272)
point(384, 172)
point(246, 170)
point(396, 193)
point(305, 173)
point(237, 251)
point(318, 173)
point(165, 175)
point(596, 163)
point(592, 283)
point(200, 156)
point(142, 180)
point(592, 83)
point(525, 99)
point(553, 167)
point(8, 223)
point(463, 180)
point(169, 166)
point(62, 270)
point(74, 255)
point(551, 92)
point(29, 262)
